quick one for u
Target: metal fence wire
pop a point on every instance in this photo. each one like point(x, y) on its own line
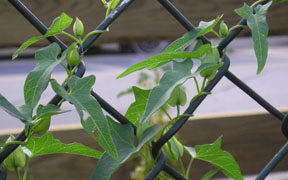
point(157, 153)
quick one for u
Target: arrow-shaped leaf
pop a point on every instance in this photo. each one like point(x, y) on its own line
point(136, 109)
point(46, 144)
point(57, 27)
point(38, 79)
point(80, 96)
point(152, 62)
point(124, 139)
point(48, 110)
point(222, 160)
point(259, 27)
point(11, 109)
point(188, 38)
point(160, 94)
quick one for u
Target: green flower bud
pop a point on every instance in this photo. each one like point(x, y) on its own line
point(78, 28)
point(223, 30)
point(41, 126)
point(16, 159)
point(174, 149)
point(73, 57)
point(178, 97)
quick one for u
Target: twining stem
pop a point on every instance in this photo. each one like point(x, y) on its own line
point(257, 2)
point(235, 27)
point(189, 167)
point(152, 165)
point(92, 33)
point(13, 142)
point(182, 167)
point(26, 168)
point(17, 173)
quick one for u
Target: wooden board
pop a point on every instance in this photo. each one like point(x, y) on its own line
point(144, 20)
point(252, 139)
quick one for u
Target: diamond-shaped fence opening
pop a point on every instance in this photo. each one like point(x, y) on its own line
point(157, 153)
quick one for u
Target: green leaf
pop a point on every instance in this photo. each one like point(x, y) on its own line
point(161, 93)
point(188, 38)
point(259, 27)
point(210, 174)
point(11, 109)
point(38, 79)
point(222, 160)
point(48, 145)
point(59, 24)
point(124, 139)
point(136, 109)
point(80, 96)
point(27, 111)
point(206, 27)
point(167, 57)
point(57, 27)
point(183, 42)
point(114, 4)
point(48, 110)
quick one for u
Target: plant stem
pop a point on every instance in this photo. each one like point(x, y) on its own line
point(178, 110)
point(71, 36)
point(13, 142)
point(26, 168)
point(17, 173)
point(216, 34)
point(92, 33)
point(257, 2)
point(235, 27)
point(188, 168)
point(197, 85)
point(167, 114)
point(67, 70)
point(182, 167)
point(203, 84)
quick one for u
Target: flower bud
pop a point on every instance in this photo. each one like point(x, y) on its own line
point(16, 159)
point(223, 30)
point(73, 57)
point(178, 97)
point(41, 126)
point(78, 28)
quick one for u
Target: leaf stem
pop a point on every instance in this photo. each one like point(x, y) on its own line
point(67, 70)
point(17, 173)
point(189, 167)
point(167, 114)
point(178, 110)
point(182, 167)
point(26, 168)
point(71, 36)
point(257, 2)
point(203, 84)
point(235, 27)
point(197, 85)
point(216, 34)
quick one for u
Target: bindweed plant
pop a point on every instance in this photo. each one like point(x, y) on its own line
point(117, 140)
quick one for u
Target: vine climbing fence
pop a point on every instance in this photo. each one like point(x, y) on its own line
point(157, 151)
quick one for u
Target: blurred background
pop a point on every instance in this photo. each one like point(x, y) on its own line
point(143, 30)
